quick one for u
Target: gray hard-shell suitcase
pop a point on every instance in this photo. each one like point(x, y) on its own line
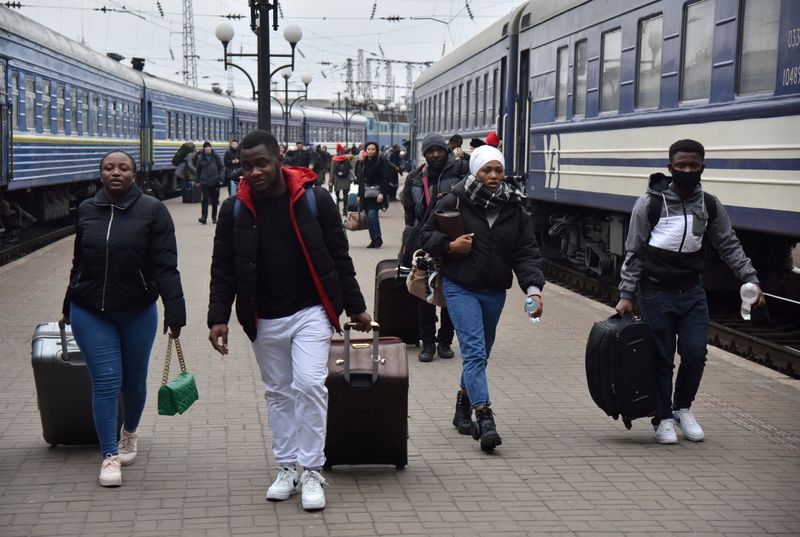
point(63, 387)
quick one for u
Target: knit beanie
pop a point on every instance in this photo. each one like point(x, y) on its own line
point(493, 139)
point(433, 139)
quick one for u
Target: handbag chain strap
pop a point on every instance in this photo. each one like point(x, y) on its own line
point(168, 356)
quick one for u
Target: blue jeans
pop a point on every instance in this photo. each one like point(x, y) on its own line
point(470, 309)
point(372, 208)
point(116, 347)
point(683, 314)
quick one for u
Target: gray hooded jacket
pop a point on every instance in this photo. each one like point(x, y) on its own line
point(670, 256)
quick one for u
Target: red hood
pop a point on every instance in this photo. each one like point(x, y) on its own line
point(296, 177)
point(339, 158)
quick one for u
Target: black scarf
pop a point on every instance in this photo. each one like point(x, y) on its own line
point(482, 198)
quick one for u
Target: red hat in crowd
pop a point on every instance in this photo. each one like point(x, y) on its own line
point(493, 139)
point(339, 148)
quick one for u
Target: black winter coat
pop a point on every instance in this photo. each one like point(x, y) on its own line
point(125, 257)
point(383, 172)
point(508, 245)
point(234, 272)
point(210, 169)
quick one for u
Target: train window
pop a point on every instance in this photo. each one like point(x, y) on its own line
point(698, 35)
point(84, 113)
point(15, 100)
point(60, 108)
point(466, 106)
point(758, 54)
point(494, 96)
point(562, 71)
point(485, 95)
point(648, 75)
point(444, 110)
point(460, 106)
point(107, 116)
point(101, 116)
point(30, 102)
point(73, 109)
point(477, 97)
point(47, 115)
point(609, 77)
point(579, 92)
point(169, 125)
point(114, 113)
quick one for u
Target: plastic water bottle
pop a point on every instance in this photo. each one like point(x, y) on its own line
point(749, 293)
point(530, 307)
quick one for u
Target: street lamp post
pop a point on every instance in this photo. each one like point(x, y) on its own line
point(259, 23)
point(286, 106)
point(347, 115)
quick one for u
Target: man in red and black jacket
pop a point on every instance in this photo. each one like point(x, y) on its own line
point(282, 253)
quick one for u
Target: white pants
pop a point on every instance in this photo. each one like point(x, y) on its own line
point(292, 353)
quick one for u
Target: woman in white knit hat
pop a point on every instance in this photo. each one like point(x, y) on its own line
point(476, 272)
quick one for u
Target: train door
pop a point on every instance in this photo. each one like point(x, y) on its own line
point(5, 127)
point(522, 116)
point(146, 139)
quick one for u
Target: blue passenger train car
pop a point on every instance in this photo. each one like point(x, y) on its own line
point(589, 94)
point(63, 105)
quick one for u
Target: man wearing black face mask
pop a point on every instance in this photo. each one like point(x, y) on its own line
point(663, 270)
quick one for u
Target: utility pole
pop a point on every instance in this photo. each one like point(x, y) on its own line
point(189, 51)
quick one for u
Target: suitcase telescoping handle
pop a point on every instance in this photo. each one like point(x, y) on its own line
point(62, 329)
point(376, 359)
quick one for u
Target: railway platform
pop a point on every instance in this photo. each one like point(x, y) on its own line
point(564, 467)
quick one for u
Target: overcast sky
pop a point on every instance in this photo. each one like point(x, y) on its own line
point(333, 30)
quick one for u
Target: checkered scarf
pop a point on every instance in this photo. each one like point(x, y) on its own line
point(482, 198)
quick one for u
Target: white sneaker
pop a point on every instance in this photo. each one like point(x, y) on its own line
point(665, 432)
point(111, 471)
point(313, 495)
point(285, 484)
point(689, 427)
point(127, 447)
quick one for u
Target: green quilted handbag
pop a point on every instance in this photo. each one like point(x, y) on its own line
point(177, 395)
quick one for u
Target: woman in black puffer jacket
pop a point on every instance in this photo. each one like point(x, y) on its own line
point(476, 271)
point(372, 174)
point(125, 257)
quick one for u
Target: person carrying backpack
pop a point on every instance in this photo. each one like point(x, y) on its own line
point(210, 176)
point(663, 272)
point(342, 176)
point(283, 257)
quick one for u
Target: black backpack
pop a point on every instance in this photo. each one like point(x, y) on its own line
point(181, 153)
point(342, 169)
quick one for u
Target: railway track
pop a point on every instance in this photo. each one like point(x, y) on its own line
point(31, 239)
point(776, 346)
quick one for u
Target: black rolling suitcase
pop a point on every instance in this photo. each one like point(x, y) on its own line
point(620, 368)
point(367, 401)
point(192, 193)
point(63, 387)
point(395, 308)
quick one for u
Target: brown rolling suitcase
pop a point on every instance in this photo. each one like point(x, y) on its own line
point(367, 401)
point(395, 308)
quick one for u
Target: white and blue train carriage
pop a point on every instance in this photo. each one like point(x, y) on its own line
point(596, 91)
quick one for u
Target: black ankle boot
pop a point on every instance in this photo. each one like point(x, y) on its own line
point(427, 352)
point(483, 429)
point(463, 417)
